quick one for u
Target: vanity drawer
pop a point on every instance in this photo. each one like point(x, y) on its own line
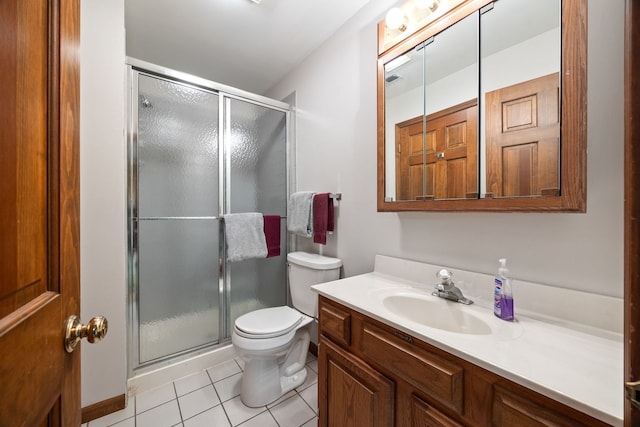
point(426, 371)
point(335, 322)
point(525, 409)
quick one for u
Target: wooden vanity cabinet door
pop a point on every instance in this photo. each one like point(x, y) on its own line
point(350, 392)
point(521, 409)
point(425, 415)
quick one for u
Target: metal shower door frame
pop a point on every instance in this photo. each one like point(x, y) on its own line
point(225, 94)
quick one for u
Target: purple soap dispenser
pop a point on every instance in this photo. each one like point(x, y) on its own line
point(503, 297)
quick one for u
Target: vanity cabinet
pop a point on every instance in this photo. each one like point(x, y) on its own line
point(355, 393)
point(371, 374)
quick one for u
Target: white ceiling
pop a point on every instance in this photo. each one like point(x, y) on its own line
point(235, 42)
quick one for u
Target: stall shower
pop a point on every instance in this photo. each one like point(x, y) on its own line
point(198, 151)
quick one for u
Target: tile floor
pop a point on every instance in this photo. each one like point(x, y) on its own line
point(211, 398)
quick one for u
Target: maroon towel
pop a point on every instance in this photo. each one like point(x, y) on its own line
point(272, 234)
point(322, 217)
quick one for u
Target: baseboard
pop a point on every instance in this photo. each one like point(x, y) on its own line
point(313, 348)
point(100, 409)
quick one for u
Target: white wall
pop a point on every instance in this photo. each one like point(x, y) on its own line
point(336, 151)
point(102, 195)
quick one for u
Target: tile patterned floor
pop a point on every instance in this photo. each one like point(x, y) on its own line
point(211, 398)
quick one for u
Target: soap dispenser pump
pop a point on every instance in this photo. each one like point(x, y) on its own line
point(503, 297)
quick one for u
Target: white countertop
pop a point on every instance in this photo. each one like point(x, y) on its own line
point(580, 367)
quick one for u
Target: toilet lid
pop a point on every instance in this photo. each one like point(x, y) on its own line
point(269, 321)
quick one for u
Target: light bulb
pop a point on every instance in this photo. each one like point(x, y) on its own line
point(432, 5)
point(396, 20)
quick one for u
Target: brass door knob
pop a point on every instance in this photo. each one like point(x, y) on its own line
point(93, 331)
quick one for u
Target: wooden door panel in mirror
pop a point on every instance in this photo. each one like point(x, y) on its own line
point(456, 153)
point(446, 152)
point(410, 143)
point(522, 137)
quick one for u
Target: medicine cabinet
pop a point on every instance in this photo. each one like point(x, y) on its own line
point(484, 108)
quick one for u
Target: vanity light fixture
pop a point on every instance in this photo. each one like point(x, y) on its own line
point(396, 19)
point(403, 20)
point(256, 1)
point(432, 5)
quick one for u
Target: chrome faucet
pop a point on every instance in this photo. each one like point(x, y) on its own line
point(447, 289)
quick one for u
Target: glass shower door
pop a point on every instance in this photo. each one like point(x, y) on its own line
point(198, 151)
point(177, 221)
point(257, 164)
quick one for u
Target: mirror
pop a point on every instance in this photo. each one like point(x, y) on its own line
point(482, 110)
point(520, 133)
point(431, 97)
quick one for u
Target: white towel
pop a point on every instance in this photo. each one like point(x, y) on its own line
point(244, 233)
point(300, 214)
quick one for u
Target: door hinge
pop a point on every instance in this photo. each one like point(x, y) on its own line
point(632, 392)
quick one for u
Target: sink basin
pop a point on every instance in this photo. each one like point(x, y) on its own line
point(438, 314)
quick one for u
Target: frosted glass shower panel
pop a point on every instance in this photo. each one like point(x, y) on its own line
point(177, 149)
point(258, 172)
point(178, 286)
point(258, 182)
point(259, 283)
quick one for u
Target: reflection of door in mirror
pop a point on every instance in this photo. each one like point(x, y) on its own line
point(410, 159)
point(450, 155)
point(522, 137)
point(520, 133)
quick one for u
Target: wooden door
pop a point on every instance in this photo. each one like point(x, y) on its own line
point(452, 152)
point(632, 206)
point(360, 396)
point(523, 138)
point(39, 208)
point(410, 159)
point(436, 156)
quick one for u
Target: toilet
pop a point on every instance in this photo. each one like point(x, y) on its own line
point(273, 342)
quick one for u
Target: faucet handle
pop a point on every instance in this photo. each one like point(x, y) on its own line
point(444, 275)
point(445, 280)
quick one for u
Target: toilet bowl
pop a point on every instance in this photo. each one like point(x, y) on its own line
point(273, 342)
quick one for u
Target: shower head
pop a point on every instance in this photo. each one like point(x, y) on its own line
point(144, 102)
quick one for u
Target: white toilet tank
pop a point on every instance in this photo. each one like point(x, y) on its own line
point(305, 270)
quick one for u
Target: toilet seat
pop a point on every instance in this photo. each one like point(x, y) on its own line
point(268, 322)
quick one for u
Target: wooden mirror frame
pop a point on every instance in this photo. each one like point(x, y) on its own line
point(573, 122)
